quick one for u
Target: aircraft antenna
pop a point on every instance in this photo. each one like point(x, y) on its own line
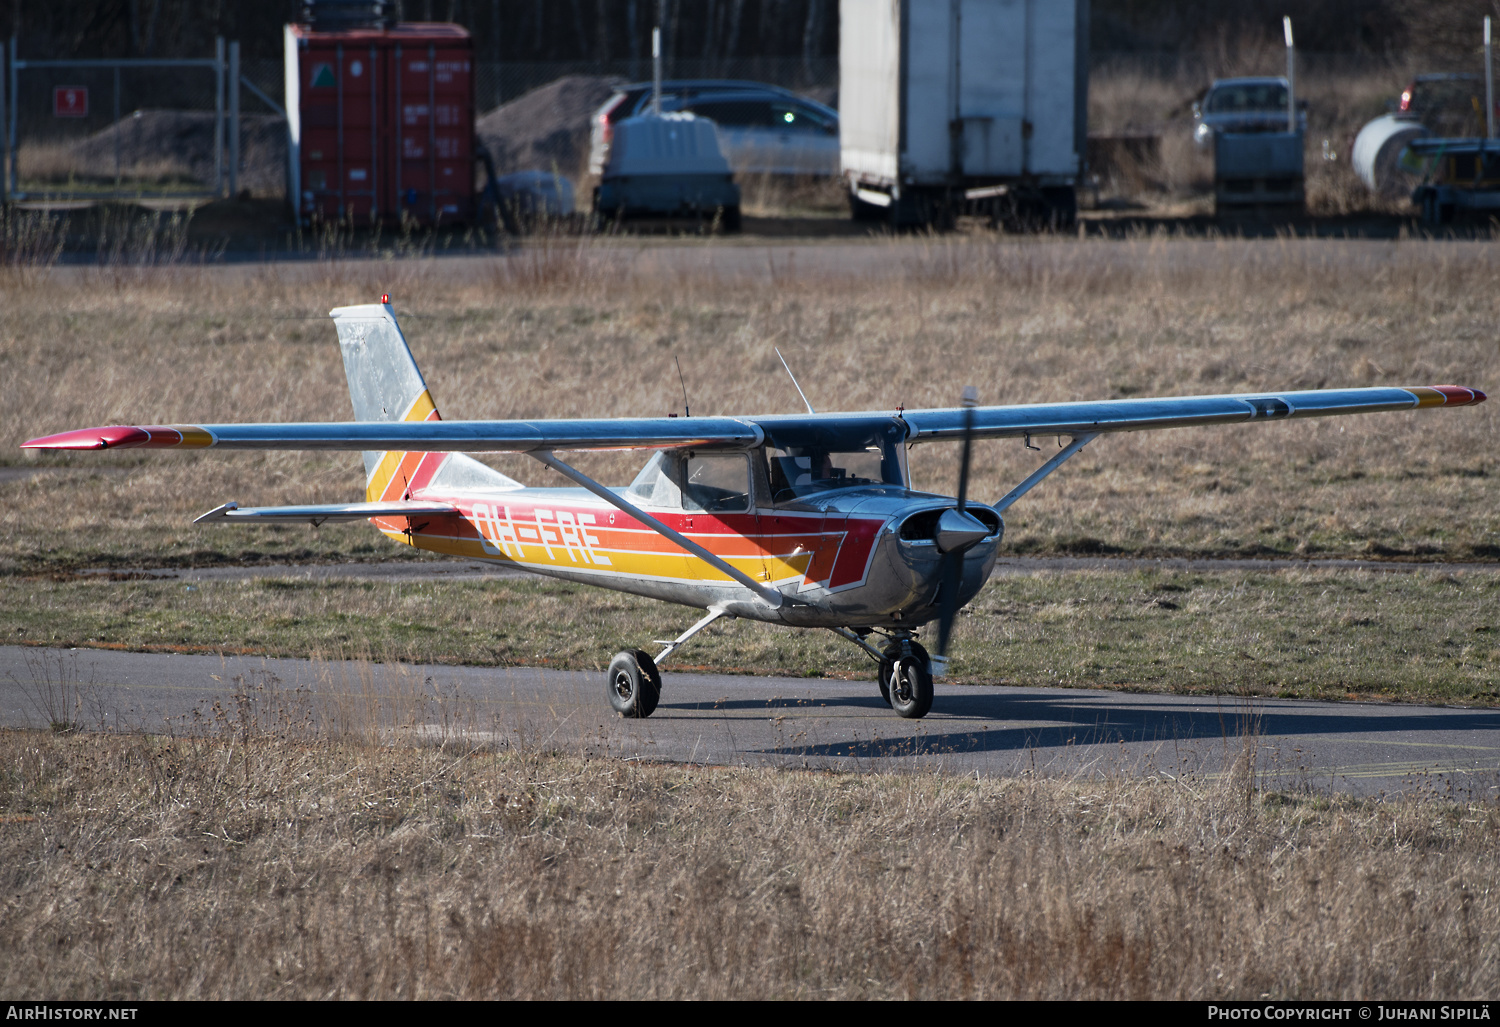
point(793, 377)
point(683, 382)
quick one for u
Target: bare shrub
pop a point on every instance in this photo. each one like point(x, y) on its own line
point(29, 240)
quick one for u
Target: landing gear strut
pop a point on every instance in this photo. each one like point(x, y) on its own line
point(905, 674)
point(634, 683)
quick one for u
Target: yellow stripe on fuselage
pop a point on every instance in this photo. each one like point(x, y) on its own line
point(421, 409)
point(662, 565)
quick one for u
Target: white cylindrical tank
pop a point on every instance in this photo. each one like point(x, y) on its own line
point(1377, 154)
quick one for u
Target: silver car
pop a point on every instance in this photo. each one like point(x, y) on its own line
point(1243, 105)
point(763, 129)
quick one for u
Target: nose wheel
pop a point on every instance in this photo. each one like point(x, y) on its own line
point(905, 674)
point(906, 679)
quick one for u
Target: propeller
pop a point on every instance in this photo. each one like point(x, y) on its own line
point(957, 532)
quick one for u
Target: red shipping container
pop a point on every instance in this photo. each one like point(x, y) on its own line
point(381, 124)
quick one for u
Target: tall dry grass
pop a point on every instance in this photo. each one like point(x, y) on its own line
point(63, 163)
point(583, 328)
point(243, 864)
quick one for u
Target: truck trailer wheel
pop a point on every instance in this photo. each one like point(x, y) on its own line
point(1062, 206)
point(1052, 209)
point(859, 210)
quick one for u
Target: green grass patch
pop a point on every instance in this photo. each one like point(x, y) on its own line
point(1422, 636)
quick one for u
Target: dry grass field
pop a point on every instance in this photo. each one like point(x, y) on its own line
point(270, 859)
point(591, 329)
point(264, 862)
point(570, 329)
point(588, 328)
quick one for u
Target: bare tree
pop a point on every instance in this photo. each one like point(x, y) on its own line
point(732, 48)
point(812, 34)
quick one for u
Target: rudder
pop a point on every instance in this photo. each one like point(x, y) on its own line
point(385, 385)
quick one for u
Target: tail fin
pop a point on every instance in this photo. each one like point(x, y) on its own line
point(385, 385)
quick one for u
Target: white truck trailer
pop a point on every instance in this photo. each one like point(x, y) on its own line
point(955, 106)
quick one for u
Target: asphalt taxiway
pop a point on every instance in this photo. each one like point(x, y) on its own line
point(1360, 748)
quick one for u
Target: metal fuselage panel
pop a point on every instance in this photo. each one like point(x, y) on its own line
point(837, 557)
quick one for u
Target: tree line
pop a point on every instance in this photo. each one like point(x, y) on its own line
point(584, 30)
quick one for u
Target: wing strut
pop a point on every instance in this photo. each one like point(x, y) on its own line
point(1036, 476)
point(770, 596)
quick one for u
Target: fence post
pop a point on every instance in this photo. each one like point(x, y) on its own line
point(234, 118)
point(14, 113)
point(219, 116)
point(119, 129)
point(4, 130)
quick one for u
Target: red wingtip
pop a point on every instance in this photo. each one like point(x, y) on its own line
point(1458, 395)
point(114, 437)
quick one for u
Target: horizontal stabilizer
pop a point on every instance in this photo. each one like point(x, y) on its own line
point(318, 513)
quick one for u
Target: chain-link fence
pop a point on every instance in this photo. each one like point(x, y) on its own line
point(97, 128)
point(496, 82)
point(151, 130)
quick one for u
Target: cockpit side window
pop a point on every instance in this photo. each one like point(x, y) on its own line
point(659, 484)
point(706, 482)
point(717, 482)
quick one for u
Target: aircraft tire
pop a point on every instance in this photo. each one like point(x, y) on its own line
point(891, 654)
point(634, 684)
point(910, 695)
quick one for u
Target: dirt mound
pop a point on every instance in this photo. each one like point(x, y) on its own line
point(180, 144)
point(547, 128)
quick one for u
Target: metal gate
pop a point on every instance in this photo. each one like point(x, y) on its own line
point(117, 129)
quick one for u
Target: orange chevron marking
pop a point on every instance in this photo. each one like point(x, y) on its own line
point(393, 470)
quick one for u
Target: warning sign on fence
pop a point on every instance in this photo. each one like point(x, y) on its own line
point(70, 102)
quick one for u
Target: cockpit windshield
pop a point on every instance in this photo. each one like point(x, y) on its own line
point(833, 456)
point(802, 470)
point(799, 459)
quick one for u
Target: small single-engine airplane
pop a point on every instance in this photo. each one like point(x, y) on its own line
point(807, 520)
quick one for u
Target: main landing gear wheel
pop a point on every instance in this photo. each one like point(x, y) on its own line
point(635, 684)
point(906, 680)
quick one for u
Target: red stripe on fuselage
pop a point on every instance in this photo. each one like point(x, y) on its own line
point(854, 552)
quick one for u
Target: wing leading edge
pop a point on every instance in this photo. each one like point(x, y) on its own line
point(429, 436)
point(743, 433)
point(1118, 415)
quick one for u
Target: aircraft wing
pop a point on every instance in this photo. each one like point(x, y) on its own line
point(1177, 412)
point(427, 436)
point(742, 433)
